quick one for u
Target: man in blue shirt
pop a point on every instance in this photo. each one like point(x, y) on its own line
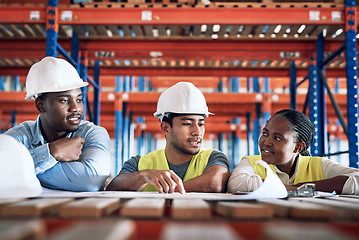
point(182, 166)
point(68, 152)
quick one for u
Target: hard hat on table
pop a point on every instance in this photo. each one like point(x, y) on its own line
point(17, 171)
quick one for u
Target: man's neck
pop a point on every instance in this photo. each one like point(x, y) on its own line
point(176, 158)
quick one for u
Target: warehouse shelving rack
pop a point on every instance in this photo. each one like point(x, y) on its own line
point(102, 34)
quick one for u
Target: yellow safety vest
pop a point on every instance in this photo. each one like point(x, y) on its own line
point(157, 160)
point(309, 168)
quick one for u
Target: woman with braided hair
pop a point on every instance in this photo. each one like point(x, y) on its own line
point(284, 144)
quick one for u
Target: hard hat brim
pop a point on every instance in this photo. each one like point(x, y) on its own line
point(80, 85)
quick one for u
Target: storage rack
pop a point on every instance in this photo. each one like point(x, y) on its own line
point(122, 39)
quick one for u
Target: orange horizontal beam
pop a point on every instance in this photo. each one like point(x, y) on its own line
point(213, 46)
point(166, 16)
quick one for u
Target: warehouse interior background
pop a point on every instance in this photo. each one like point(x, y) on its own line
point(250, 58)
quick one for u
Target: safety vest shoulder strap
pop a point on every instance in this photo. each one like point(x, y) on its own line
point(259, 169)
point(309, 169)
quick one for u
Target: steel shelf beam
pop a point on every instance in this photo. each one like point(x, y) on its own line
point(167, 16)
point(195, 71)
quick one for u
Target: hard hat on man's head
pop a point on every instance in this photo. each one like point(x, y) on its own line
point(181, 98)
point(17, 171)
point(52, 75)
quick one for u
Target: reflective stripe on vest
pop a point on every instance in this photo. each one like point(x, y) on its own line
point(157, 160)
point(309, 168)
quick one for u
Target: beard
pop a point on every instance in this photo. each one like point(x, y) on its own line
point(183, 150)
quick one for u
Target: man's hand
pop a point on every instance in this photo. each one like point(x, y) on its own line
point(165, 181)
point(67, 149)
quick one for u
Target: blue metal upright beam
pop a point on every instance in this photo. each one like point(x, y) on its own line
point(317, 111)
point(2, 83)
point(257, 120)
point(235, 138)
point(83, 75)
point(118, 127)
point(293, 86)
point(126, 123)
point(352, 82)
point(97, 96)
point(220, 135)
point(52, 28)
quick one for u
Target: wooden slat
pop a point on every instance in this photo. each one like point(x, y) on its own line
point(174, 30)
point(143, 207)
point(300, 232)
point(343, 210)
point(195, 231)
point(114, 30)
point(196, 30)
point(138, 31)
point(101, 29)
point(161, 30)
point(5, 32)
point(190, 209)
point(222, 30)
point(243, 210)
point(91, 30)
point(104, 230)
point(90, 207)
point(290, 209)
point(148, 30)
point(246, 30)
point(126, 30)
point(345, 199)
point(27, 30)
point(79, 31)
point(234, 30)
point(22, 230)
point(34, 207)
point(38, 29)
point(17, 33)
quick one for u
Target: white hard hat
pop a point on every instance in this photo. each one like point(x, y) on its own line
point(181, 98)
point(52, 75)
point(17, 171)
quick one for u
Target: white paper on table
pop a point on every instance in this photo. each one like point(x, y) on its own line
point(272, 187)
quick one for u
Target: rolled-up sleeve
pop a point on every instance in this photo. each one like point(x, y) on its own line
point(332, 169)
point(243, 178)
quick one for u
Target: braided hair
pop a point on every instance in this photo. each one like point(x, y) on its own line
point(301, 125)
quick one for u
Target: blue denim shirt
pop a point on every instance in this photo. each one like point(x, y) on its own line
point(89, 173)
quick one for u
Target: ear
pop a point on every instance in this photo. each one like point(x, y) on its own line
point(40, 106)
point(299, 146)
point(165, 128)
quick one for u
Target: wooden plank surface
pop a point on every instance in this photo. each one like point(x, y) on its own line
point(304, 210)
point(197, 231)
point(105, 230)
point(244, 210)
point(34, 207)
point(190, 209)
point(342, 210)
point(300, 231)
point(143, 207)
point(89, 208)
point(21, 230)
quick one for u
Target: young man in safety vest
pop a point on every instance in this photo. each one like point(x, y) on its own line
point(68, 152)
point(182, 166)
